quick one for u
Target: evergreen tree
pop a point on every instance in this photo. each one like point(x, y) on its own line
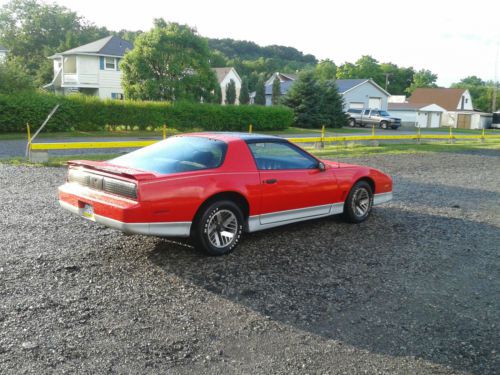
point(231, 92)
point(218, 94)
point(315, 103)
point(332, 105)
point(244, 94)
point(276, 91)
point(260, 93)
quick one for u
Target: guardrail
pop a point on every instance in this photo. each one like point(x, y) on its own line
point(38, 152)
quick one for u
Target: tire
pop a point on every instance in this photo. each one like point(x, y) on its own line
point(383, 124)
point(355, 211)
point(352, 122)
point(362, 125)
point(394, 127)
point(217, 229)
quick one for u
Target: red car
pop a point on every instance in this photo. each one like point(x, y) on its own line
point(212, 187)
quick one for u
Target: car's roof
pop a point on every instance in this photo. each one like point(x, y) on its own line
point(231, 136)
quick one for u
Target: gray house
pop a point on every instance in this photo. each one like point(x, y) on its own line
point(286, 81)
point(362, 93)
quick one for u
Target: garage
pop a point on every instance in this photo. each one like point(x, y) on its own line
point(417, 115)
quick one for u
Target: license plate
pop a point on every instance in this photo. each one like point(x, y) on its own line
point(88, 212)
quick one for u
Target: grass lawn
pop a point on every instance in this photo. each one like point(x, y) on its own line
point(358, 150)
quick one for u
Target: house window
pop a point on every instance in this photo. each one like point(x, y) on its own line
point(110, 63)
point(117, 95)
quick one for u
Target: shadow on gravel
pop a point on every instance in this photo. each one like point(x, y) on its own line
point(401, 284)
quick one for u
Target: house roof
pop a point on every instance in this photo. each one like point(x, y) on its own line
point(110, 46)
point(402, 106)
point(283, 77)
point(221, 73)
point(345, 85)
point(284, 87)
point(449, 99)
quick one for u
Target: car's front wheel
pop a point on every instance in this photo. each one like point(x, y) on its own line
point(218, 228)
point(359, 202)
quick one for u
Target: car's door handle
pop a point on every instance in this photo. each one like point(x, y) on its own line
point(270, 181)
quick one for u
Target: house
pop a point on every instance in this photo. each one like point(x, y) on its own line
point(286, 81)
point(91, 69)
point(224, 76)
point(3, 53)
point(362, 93)
point(418, 115)
point(459, 109)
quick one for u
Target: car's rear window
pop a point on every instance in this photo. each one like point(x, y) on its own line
point(176, 154)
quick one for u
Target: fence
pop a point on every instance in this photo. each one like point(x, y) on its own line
point(38, 152)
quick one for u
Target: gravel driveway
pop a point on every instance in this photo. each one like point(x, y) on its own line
point(414, 290)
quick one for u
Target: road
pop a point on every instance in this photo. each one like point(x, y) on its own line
point(17, 148)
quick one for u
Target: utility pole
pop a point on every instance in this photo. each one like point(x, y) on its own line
point(495, 84)
point(387, 80)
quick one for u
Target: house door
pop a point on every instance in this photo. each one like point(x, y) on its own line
point(463, 121)
point(375, 103)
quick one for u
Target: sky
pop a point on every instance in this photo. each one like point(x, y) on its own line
point(453, 39)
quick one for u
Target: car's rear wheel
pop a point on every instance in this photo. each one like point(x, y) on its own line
point(383, 124)
point(352, 122)
point(359, 202)
point(394, 127)
point(218, 228)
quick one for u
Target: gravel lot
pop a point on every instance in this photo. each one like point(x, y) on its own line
point(414, 290)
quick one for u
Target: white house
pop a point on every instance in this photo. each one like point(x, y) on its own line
point(224, 76)
point(459, 110)
point(3, 53)
point(418, 115)
point(91, 69)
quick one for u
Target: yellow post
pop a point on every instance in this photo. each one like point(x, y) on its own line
point(28, 147)
point(250, 129)
point(164, 131)
point(483, 138)
point(322, 133)
point(373, 130)
point(29, 133)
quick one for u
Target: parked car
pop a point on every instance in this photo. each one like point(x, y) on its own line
point(213, 187)
point(372, 117)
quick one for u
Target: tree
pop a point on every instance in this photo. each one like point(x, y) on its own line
point(13, 77)
point(315, 103)
point(260, 93)
point(244, 93)
point(276, 92)
point(422, 78)
point(332, 105)
point(231, 92)
point(32, 31)
point(217, 98)
point(304, 97)
point(325, 70)
point(170, 62)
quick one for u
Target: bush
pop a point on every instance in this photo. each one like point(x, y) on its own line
point(79, 112)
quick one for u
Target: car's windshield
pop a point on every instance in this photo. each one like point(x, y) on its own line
point(176, 154)
point(383, 113)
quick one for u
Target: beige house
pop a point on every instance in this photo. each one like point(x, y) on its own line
point(224, 76)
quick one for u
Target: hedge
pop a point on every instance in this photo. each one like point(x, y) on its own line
point(78, 112)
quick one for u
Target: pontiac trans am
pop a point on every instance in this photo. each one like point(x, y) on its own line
point(213, 187)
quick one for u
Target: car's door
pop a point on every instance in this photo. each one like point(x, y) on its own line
point(292, 185)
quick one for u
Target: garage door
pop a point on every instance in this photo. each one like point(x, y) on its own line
point(356, 105)
point(375, 103)
point(463, 121)
point(435, 119)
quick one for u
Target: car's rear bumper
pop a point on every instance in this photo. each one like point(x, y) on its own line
point(114, 212)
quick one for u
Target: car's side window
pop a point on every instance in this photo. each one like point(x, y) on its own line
point(367, 112)
point(280, 155)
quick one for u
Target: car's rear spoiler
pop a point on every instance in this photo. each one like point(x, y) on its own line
point(103, 166)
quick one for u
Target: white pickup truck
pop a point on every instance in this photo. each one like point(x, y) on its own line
point(372, 117)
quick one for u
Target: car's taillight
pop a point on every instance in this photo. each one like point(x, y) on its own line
point(99, 182)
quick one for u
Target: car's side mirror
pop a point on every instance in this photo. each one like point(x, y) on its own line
point(321, 166)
